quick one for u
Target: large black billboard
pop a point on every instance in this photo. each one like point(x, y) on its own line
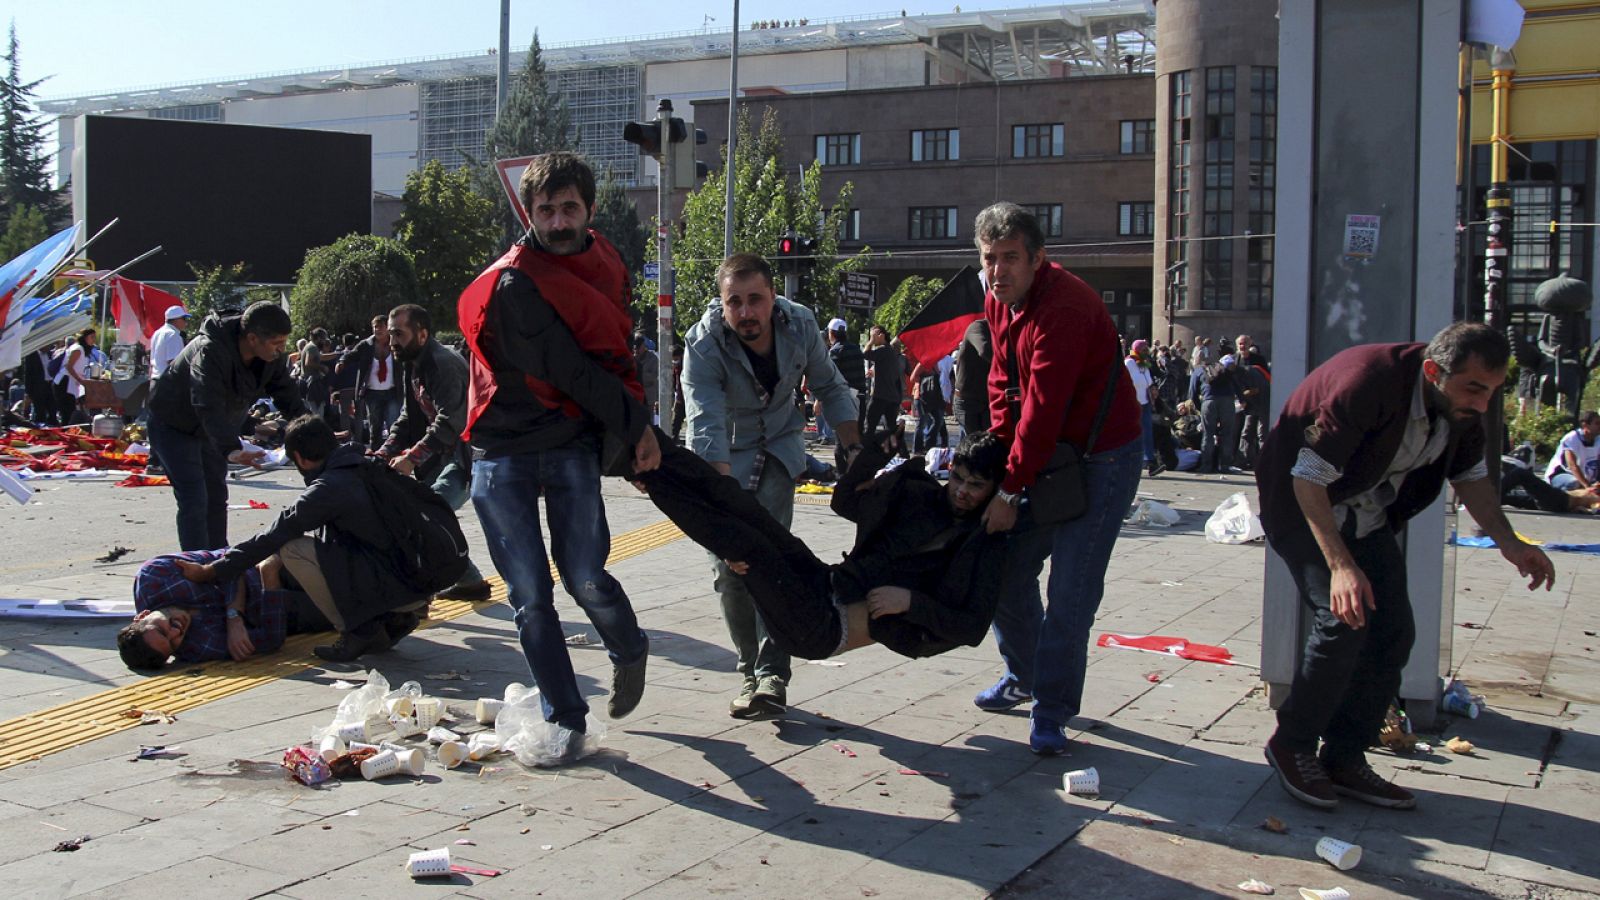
point(217, 194)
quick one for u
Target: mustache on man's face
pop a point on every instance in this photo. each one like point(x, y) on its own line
point(562, 234)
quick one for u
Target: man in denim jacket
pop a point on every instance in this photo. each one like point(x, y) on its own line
point(742, 363)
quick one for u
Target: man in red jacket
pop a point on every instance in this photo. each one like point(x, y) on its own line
point(1056, 352)
point(1363, 444)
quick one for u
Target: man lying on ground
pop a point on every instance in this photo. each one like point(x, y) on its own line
point(921, 578)
point(205, 622)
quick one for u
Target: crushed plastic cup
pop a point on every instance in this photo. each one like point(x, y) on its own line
point(438, 734)
point(412, 762)
point(487, 709)
point(361, 745)
point(380, 765)
point(1342, 855)
point(482, 745)
point(1083, 782)
point(1460, 705)
point(451, 754)
point(429, 863)
point(1337, 893)
point(405, 726)
point(351, 732)
point(427, 711)
point(516, 692)
point(398, 706)
point(332, 747)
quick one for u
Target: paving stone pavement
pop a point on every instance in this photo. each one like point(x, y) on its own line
point(685, 801)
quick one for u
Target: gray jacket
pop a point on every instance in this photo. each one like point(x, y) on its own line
point(728, 418)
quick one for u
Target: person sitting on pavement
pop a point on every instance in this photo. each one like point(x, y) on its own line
point(1576, 463)
point(217, 620)
point(921, 579)
point(1522, 488)
point(350, 569)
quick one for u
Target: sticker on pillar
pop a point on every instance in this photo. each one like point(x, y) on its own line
point(1360, 237)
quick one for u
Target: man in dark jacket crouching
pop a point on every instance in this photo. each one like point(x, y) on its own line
point(349, 568)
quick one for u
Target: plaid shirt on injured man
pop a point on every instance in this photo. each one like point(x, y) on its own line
point(160, 584)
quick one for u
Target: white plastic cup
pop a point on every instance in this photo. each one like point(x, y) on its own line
point(451, 754)
point(331, 748)
point(412, 762)
point(405, 726)
point(429, 863)
point(1337, 893)
point(1342, 855)
point(427, 710)
point(487, 709)
point(353, 731)
point(360, 745)
point(483, 745)
point(380, 765)
point(398, 706)
point(438, 734)
point(1083, 782)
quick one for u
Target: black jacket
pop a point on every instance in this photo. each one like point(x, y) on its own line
point(356, 365)
point(354, 549)
point(208, 389)
point(434, 413)
point(851, 363)
point(908, 536)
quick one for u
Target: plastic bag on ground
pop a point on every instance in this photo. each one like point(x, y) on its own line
point(1234, 523)
point(1156, 513)
point(364, 702)
point(524, 733)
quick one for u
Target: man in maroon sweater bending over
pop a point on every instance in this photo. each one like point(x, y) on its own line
point(1363, 444)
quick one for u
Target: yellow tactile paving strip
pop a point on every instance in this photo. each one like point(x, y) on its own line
point(38, 734)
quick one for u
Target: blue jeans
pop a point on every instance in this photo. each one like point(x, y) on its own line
point(199, 475)
point(1147, 432)
point(1046, 650)
point(453, 484)
point(1565, 481)
point(931, 428)
point(382, 408)
point(505, 493)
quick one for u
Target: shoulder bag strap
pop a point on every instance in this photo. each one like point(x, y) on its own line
point(1014, 394)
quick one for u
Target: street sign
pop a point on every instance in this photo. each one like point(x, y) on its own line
point(858, 290)
point(652, 270)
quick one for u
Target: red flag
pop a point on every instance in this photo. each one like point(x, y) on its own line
point(938, 327)
point(149, 305)
point(1168, 646)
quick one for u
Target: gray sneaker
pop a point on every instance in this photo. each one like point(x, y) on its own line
point(627, 687)
point(771, 697)
point(739, 708)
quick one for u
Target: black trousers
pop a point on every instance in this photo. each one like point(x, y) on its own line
point(1347, 676)
point(1536, 493)
point(790, 586)
point(880, 408)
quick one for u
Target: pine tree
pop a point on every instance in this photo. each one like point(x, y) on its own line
point(535, 120)
point(24, 164)
point(616, 217)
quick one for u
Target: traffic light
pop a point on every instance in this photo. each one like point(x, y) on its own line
point(646, 134)
point(686, 169)
point(788, 254)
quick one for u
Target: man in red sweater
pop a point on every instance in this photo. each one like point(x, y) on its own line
point(1055, 349)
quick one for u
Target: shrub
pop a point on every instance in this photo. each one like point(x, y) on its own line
point(343, 285)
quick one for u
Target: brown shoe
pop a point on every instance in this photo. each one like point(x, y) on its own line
point(1302, 776)
point(1368, 786)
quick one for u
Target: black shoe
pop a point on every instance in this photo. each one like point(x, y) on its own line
point(352, 645)
point(627, 687)
point(470, 591)
point(400, 624)
point(1157, 467)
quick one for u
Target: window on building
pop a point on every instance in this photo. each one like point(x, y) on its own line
point(850, 225)
point(1049, 216)
point(935, 145)
point(1180, 135)
point(839, 149)
point(1136, 219)
point(1216, 289)
point(931, 223)
point(1263, 182)
point(1038, 140)
point(1139, 136)
point(1550, 181)
point(193, 112)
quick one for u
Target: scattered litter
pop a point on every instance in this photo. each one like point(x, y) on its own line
point(525, 831)
point(1234, 523)
point(1459, 700)
point(521, 730)
point(447, 676)
point(830, 663)
point(1337, 893)
point(1180, 647)
point(253, 504)
point(1423, 747)
point(1082, 782)
point(1155, 513)
point(1153, 677)
point(474, 870)
point(114, 554)
point(923, 772)
point(1342, 855)
point(1274, 825)
point(172, 752)
point(351, 812)
point(579, 640)
point(1457, 745)
point(464, 842)
point(1172, 584)
point(439, 734)
point(1255, 886)
point(528, 810)
point(845, 750)
point(1396, 733)
point(71, 845)
point(547, 846)
point(342, 685)
point(306, 766)
point(1473, 625)
point(148, 716)
point(429, 863)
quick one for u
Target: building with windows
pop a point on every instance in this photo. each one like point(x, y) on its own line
point(923, 161)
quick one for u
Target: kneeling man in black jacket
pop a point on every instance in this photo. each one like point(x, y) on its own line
point(350, 568)
point(921, 579)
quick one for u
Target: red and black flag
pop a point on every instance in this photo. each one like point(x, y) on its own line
point(934, 332)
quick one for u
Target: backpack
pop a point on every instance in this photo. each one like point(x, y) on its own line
point(430, 552)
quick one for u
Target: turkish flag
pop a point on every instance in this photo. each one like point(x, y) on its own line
point(146, 304)
point(1169, 646)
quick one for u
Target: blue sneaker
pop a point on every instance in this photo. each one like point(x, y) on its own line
point(1005, 694)
point(1047, 738)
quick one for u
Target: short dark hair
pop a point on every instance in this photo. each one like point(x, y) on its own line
point(1451, 348)
point(414, 315)
point(266, 319)
point(1004, 221)
point(548, 173)
point(1588, 416)
point(310, 437)
point(136, 652)
point(741, 265)
point(982, 454)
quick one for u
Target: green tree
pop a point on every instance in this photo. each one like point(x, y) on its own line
point(906, 301)
point(343, 285)
point(535, 120)
point(216, 287)
point(765, 206)
point(616, 217)
point(449, 231)
point(24, 162)
point(26, 228)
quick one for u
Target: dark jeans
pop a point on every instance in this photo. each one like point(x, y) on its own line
point(1147, 435)
point(199, 475)
point(1347, 676)
point(931, 428)
point(759, 654)
point(1046, 651)
point(880, 408)
point(381, 409)
point(1219, 420)
point(506, 492)
point(786, 582)
point(1523, 489)
point(1252, 434)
